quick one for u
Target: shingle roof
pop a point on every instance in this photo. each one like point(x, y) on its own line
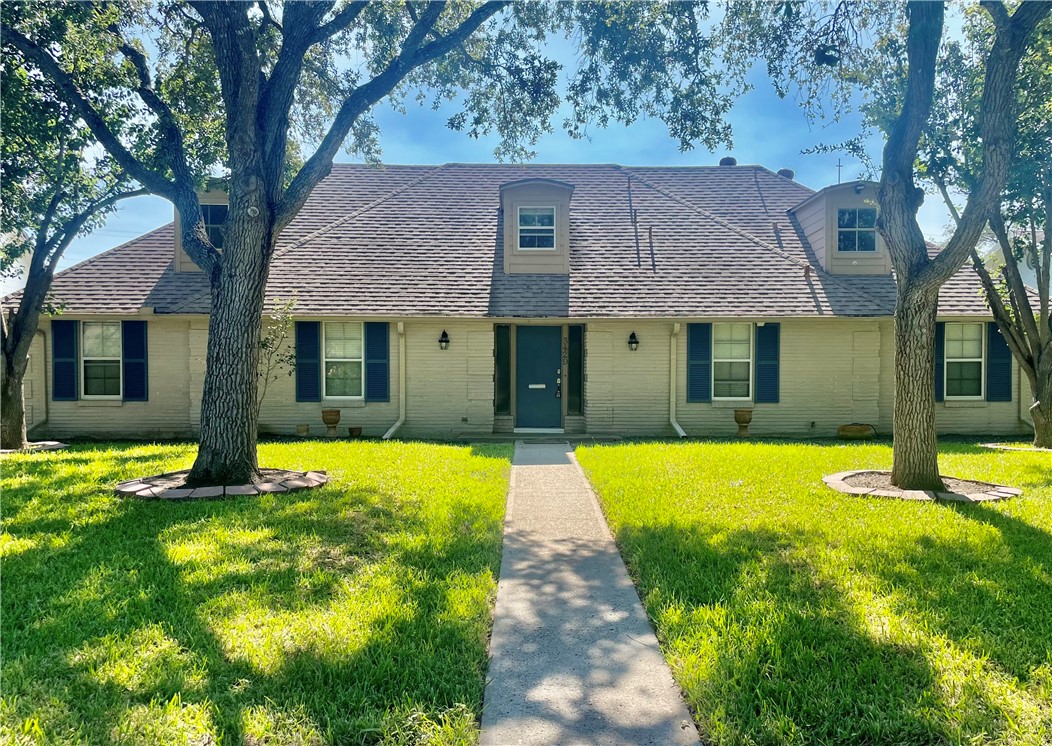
point(428, 240)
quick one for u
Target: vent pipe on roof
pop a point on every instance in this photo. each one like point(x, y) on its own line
point(787, 173)
point(728, 160)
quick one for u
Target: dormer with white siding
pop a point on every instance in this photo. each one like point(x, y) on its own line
point(839, 223)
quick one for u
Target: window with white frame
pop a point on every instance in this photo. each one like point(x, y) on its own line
point(537, 228)
point(856, 229)
point(214, 217)
point(732, 349)
point(343, 360)
point(101, 359)
point(964, 360)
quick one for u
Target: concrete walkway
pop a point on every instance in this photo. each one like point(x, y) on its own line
point(573, 658)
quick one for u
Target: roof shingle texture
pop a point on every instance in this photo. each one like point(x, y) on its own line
point(428, 241)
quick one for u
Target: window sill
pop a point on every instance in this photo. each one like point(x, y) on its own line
point(732, 403)
point(964, 403)
point(100, 403)
point(343, 403)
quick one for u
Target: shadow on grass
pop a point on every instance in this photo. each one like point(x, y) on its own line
point(990, 595)
point(767, 650)
point(82, 616)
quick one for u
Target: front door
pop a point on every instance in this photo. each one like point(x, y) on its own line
point(538, 376)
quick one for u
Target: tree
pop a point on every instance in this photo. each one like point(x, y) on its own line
point(861, 47)
point(276, 356)
point(276, 65)
point(1021, 224)
point(52, 190)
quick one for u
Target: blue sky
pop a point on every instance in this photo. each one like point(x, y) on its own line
point(767, 131)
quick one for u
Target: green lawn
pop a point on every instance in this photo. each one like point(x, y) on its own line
point(794, 614)
point(358, 613)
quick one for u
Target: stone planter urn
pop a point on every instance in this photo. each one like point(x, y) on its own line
point(354, 431)
point(331, 418)
point(303, 430)
point(742, 418)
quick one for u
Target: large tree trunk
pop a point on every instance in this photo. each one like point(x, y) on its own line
point(12, 406)
point(227, 452)
point(1041, 409)
point(916, 450)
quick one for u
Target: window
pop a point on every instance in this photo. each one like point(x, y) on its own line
point(343, 360)
point(215, 223)
point(856, 229)
point(101, 359)
point(964, 361)
point(536, 228)
point(732, 361)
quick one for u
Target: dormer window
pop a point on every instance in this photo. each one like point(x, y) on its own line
point(215, 223)
point(856, 229)
point(537, 228)
point(215, 209)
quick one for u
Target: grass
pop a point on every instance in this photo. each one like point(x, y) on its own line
point(357, 613)
point(792, 614)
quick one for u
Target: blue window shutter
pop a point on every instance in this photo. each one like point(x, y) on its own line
point(998, 365)
point(308, 361)
point(135, 372)
point(768, 345)
point(377, 361)
point(940, 360)
point(699, 362)
point(64, 334)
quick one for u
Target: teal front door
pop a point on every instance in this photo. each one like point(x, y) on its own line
point(538, 376)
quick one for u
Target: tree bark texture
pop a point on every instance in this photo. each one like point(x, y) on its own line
point(12, 406)
point(915, 459)
point(918, 277)
point(229, 416)
point(16, 337)
point(1041, 409)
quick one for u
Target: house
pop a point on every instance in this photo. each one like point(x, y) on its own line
point(462, 300)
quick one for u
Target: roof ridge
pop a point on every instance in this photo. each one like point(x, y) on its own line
point(750, 237)
point(359, 212)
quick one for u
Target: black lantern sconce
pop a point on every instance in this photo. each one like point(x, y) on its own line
point(633, 342)
point(443, 341)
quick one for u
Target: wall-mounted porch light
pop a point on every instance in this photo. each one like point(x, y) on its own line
point(633, 342)
point(443, 341)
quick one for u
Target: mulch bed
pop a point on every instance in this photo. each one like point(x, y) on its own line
point(878, 484)
point(169, 486)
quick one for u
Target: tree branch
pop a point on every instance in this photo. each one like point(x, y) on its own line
point(997, 129)
point(268, 19)
point(410, 58)
point(1017, 290)
point(44, 262)
point(172, 142)
point(1011, 333)
point(135, 168)
point(339, 22)
point(899, 196)
point(279, 92)
point(954, 213)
